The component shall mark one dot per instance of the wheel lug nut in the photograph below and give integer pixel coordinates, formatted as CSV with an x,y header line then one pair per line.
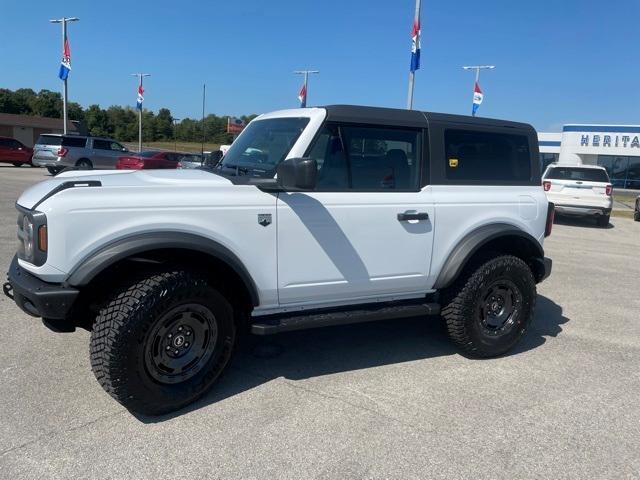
x,y
179,329
188,332
176,352
186,344
168,347
170,335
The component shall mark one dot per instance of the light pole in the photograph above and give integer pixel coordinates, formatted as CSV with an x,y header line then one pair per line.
x,y
64,21
204,94
415,54
305,88
175,133
477,68
139,105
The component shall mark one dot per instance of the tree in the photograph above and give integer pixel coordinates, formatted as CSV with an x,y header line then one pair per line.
x,y
46,104
164,124
97,121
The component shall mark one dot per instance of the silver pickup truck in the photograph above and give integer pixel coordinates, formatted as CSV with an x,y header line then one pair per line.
x,y
56,152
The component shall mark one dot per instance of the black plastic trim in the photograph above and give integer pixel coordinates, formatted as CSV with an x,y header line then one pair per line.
x,y
326,317
67,185
472,242
36,297
128,246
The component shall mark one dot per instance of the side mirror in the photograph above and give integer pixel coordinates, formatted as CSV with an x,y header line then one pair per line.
x,y
297,174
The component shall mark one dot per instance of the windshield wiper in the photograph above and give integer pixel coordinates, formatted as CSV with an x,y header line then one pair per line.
x,y
238,169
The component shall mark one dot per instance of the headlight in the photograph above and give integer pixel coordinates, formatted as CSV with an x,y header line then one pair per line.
x,y
32,236
27,237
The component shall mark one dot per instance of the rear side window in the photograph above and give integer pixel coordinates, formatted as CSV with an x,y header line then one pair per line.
x,y
74,142
577,173
486,156
54,140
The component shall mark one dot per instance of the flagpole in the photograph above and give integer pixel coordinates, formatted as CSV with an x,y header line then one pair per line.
x,y
477,68
303,102
65,94
412,73
140,77
204,92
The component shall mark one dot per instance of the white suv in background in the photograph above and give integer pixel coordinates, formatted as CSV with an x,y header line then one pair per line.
x,y
583,190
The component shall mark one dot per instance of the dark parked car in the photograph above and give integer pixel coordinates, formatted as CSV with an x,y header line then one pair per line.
x,y
148,160
636,212
15,152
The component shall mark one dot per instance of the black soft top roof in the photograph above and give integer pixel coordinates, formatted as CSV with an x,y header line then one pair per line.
x,y
413,118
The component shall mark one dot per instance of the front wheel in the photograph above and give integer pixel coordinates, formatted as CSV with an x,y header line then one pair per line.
x,y
489,308
161,343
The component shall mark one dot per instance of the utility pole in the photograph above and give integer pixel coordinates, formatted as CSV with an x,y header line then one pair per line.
x,y
139,105
415,54
175,133
64,21
204,91
477,68
305,88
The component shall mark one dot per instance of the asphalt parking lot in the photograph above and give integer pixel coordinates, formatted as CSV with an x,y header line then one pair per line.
x,y
382,400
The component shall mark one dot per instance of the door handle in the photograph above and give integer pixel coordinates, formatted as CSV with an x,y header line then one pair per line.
x,y
403,217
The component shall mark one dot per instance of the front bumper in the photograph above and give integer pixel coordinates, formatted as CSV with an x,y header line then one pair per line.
x,y
36,297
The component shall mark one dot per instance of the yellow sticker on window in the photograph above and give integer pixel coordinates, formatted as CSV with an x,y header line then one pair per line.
x,y
453,162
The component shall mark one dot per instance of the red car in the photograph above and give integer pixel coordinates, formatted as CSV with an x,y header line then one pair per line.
x,y
13,151
147,160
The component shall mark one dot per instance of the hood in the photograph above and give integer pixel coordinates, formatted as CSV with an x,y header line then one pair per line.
x,y
118,178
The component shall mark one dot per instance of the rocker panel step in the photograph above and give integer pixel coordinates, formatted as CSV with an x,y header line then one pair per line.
x,y
271,324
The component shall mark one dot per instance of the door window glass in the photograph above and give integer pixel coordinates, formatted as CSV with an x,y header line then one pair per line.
x,y
101,144
366,158
74,142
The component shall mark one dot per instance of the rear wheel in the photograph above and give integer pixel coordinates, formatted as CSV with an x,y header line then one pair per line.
x,y
603,220
17,164
490,307
84,164
161,343
54,170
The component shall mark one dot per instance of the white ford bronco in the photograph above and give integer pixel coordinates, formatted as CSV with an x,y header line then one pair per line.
x,y
315,217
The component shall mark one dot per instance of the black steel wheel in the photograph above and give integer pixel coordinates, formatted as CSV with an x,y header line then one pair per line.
x,y
162,342
490,306
181,343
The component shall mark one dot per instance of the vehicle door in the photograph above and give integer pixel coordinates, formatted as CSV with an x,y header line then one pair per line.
x,y
366,232
115,151
101,155
6,152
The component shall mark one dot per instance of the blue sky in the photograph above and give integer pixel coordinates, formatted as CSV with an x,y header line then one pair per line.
x,y
562,61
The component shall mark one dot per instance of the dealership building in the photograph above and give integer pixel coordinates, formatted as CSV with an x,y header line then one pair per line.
x,y
614,147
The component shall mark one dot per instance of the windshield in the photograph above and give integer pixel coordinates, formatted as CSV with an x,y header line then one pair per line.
x,y
581,174
262,146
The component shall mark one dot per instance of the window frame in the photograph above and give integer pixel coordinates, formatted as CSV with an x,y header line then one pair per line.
x,y
421,156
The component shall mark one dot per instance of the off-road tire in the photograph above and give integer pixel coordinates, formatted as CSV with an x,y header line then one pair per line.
x,y
119,355
603,220
462,301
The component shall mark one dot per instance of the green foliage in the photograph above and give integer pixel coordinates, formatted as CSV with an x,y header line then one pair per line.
x,y
118,122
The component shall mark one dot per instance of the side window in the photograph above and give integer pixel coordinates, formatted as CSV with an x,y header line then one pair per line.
x,y
486,156
333,172
116,146
101,144
366,158
74,142
382,158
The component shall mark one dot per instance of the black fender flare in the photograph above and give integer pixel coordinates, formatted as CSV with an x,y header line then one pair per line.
x,y
473,241
125,247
